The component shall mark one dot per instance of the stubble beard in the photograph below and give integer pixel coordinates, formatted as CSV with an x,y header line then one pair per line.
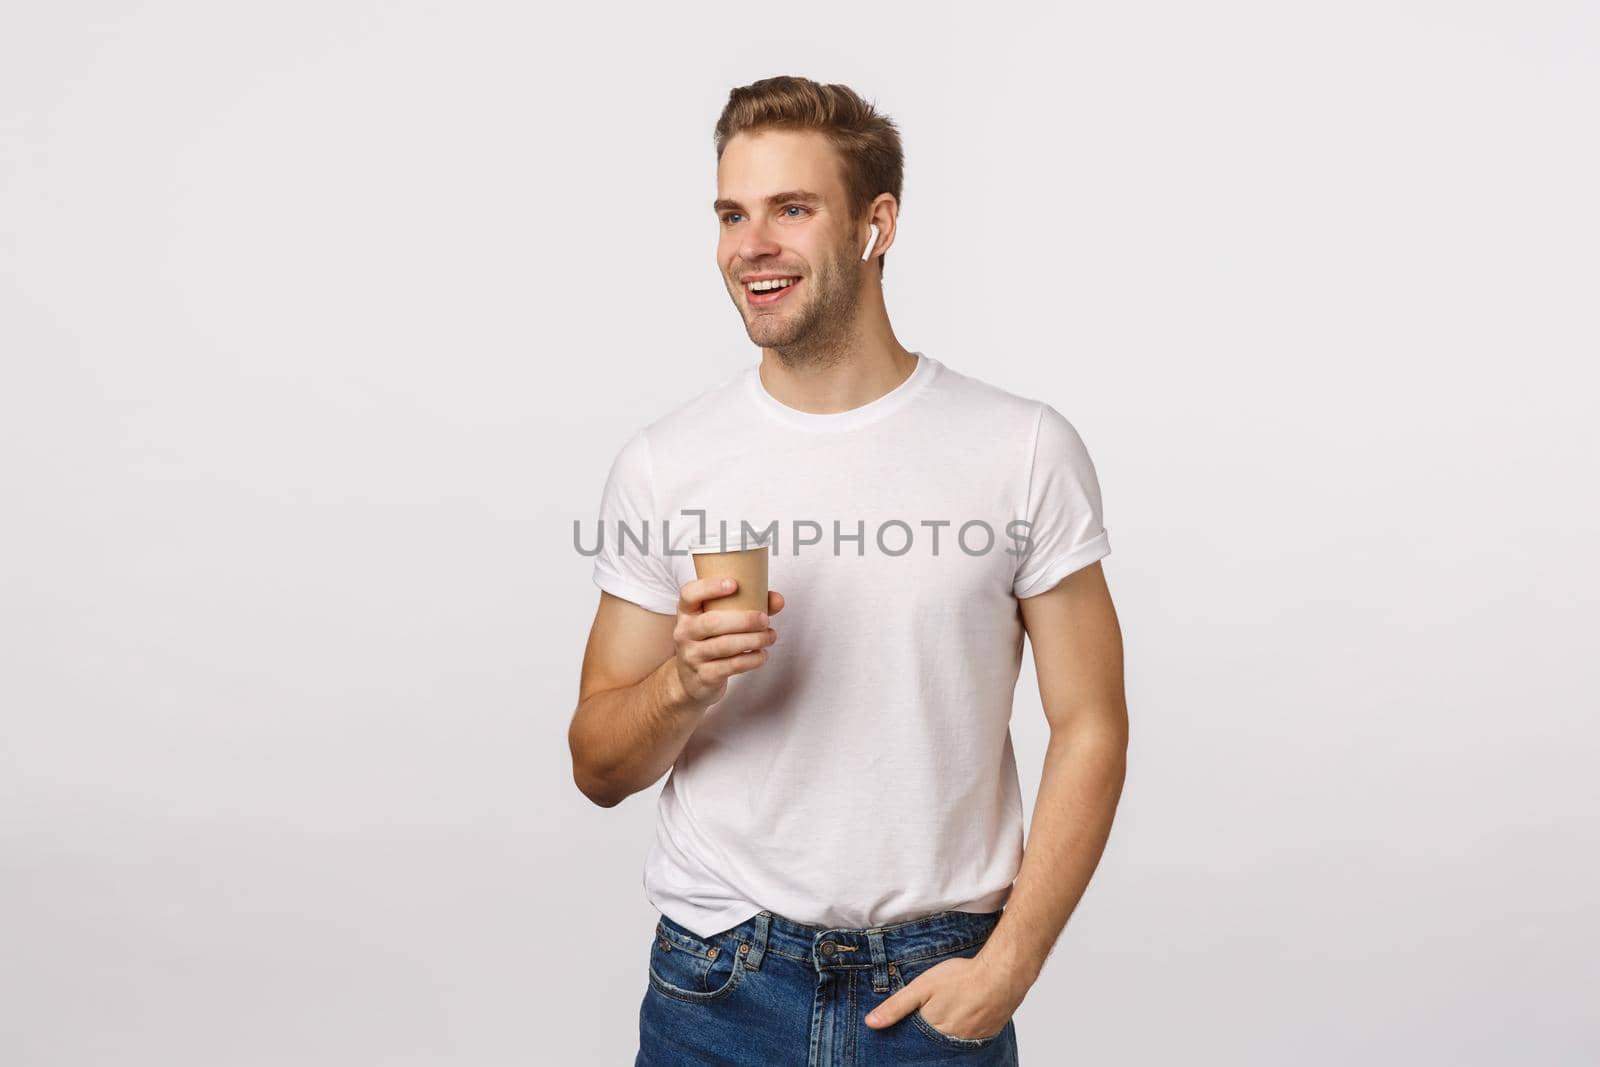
x,y
819,333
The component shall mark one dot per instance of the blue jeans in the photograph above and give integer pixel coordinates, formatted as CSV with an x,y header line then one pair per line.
x,y
774,993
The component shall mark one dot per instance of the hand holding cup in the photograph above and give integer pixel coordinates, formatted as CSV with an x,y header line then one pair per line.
x,y
714,644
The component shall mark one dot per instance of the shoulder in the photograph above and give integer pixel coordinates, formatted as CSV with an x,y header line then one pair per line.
x,y
966,395
688,420
685,420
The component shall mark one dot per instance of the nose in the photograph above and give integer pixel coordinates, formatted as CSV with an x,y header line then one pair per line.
x,y
756,240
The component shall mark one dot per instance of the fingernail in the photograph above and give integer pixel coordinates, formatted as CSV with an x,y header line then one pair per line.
x,y
874,1018
727,583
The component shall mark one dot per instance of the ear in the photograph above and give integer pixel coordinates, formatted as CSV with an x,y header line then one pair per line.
x,y
882,217
871,241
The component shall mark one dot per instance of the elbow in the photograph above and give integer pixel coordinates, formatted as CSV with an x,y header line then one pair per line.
x,y
1106,733
586,776
592,783
595,789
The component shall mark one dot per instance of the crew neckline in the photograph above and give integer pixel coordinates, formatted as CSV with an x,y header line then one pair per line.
x,y
924,372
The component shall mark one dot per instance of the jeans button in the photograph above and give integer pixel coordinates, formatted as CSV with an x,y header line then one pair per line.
x,y
828,947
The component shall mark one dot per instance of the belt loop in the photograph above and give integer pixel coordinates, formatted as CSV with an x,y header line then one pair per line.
x,y
880,961
758,942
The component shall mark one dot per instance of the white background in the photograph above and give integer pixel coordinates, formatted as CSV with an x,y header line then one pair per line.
x,y
321,324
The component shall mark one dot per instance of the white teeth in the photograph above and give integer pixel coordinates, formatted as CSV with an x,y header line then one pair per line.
x,y
777,283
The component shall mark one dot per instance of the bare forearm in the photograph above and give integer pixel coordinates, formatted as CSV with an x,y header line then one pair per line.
x,y
1078,793
624,739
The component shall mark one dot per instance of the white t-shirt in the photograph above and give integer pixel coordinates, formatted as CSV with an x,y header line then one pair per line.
x,y
864,774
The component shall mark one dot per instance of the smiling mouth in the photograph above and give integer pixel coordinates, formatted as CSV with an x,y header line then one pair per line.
x,y
765,296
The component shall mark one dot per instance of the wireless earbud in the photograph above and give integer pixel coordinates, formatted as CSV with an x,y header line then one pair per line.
x,y
870,241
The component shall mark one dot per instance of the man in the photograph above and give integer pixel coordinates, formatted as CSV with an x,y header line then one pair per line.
x,y
838,862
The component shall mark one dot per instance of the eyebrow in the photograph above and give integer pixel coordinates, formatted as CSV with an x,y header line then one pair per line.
x,y
803,196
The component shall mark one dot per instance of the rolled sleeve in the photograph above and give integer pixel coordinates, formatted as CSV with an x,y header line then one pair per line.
x,y
1065,532
621,567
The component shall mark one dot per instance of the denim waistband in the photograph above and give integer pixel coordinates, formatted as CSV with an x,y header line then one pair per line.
x,y
847,948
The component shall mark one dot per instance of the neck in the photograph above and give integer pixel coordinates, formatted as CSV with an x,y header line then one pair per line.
x,y
833,374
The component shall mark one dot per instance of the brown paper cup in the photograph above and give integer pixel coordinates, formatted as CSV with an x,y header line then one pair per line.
x,y
749,566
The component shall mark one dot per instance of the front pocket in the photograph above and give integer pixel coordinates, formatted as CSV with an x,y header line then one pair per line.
x,y
901,974
694,969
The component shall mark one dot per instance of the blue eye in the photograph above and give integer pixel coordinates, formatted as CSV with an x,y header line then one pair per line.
x,y
728,218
